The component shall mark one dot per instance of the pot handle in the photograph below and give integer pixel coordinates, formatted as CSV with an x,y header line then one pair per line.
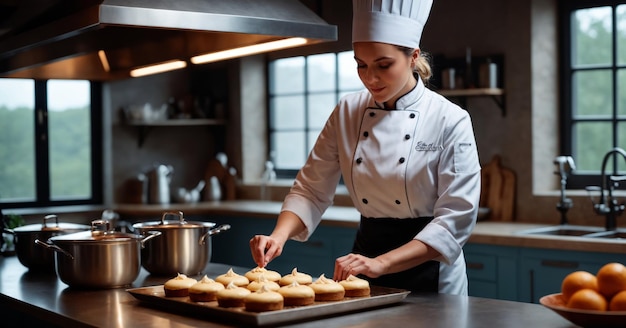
x,y
212,232
7,230
48,218
151,234
54,248
179,214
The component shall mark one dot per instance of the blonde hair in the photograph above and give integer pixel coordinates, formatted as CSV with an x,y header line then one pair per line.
x,y
422,67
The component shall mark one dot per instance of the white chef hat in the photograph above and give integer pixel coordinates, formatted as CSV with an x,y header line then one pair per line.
x,y
398,22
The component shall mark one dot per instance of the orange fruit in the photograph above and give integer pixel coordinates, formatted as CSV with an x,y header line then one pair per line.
x,y
611,279
576,281
587,299
618,302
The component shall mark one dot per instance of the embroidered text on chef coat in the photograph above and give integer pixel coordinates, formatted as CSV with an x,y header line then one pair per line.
x,y
423,146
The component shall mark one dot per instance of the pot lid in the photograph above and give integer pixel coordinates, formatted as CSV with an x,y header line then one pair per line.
x,y
51,226
179,223
100,232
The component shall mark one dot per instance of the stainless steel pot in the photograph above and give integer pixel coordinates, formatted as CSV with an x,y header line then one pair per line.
x,y
32,256
100,258
184,246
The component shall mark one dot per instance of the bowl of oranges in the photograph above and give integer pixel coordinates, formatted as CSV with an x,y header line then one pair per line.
x,y
592,300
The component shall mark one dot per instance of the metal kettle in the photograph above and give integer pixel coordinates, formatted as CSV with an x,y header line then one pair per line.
x,y
159,179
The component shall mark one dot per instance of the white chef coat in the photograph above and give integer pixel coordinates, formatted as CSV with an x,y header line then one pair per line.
x,y
417,160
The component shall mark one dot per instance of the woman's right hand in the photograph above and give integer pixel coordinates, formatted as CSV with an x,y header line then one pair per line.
x,y
264,249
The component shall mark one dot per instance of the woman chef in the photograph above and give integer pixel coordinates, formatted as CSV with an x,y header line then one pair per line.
x,y
408,158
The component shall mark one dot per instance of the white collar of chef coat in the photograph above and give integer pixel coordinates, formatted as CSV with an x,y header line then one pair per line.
x,y
409,99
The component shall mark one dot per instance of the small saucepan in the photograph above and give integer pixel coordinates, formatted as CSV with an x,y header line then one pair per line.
x,y
100,258
184,246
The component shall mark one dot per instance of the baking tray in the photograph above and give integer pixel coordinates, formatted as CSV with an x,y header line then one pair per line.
x,y
379,296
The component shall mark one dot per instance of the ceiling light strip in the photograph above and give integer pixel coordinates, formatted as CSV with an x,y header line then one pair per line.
x,y
248,50
104,61
158,68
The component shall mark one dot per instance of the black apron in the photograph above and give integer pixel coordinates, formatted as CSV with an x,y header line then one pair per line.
x,y
377,236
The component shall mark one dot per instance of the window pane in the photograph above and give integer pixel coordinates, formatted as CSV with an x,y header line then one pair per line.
x,y
287,112
320,107
321,72
592,37
17,140
69,139
621,91
289,150
287,76
348,75
621,136
592,93
621,34
591,142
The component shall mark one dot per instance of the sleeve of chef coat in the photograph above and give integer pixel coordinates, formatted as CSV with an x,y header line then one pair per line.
x,y
458,186
315,185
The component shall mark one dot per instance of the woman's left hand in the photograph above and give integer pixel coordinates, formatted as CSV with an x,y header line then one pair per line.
x,y
354,264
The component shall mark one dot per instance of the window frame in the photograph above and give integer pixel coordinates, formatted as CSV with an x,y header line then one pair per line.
x,y
291,173
567,123
42,170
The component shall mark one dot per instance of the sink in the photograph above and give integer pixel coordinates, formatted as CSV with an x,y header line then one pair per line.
x,y
614,234
575,231
564,230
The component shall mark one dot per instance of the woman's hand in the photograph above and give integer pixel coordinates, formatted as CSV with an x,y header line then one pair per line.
x,y
264,249
354,264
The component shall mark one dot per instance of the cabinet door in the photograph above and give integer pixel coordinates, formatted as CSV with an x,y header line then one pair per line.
x,y
543,270
232,247
315,256
491,271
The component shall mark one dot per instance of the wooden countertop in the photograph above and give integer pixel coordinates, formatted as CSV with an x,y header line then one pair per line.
x,y
485,232
42,300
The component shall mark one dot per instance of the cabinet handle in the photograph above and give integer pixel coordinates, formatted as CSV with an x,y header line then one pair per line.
x,y
475,265
559,264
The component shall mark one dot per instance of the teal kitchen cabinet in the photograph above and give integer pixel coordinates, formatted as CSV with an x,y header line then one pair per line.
x,y
543,270
315,256
492,271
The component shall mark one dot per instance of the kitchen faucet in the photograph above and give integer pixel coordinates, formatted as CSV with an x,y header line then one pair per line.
x,y
608,205
566,166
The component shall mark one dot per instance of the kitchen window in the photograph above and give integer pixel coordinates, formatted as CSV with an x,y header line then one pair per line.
x,y
50,138
303,91
593,93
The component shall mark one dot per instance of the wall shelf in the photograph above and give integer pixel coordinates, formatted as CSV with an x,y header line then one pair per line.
x,y
145,126
496,94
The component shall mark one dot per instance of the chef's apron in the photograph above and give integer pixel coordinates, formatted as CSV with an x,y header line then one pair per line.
x,y
377,236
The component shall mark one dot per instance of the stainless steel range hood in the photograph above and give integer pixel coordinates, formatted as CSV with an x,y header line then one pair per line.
x,y
135,33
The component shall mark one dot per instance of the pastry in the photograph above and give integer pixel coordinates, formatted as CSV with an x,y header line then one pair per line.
x,y
263,300
297,295
204,290
254,274
327,289
262,281
231,276
231,296
178,286
299,277
355,287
